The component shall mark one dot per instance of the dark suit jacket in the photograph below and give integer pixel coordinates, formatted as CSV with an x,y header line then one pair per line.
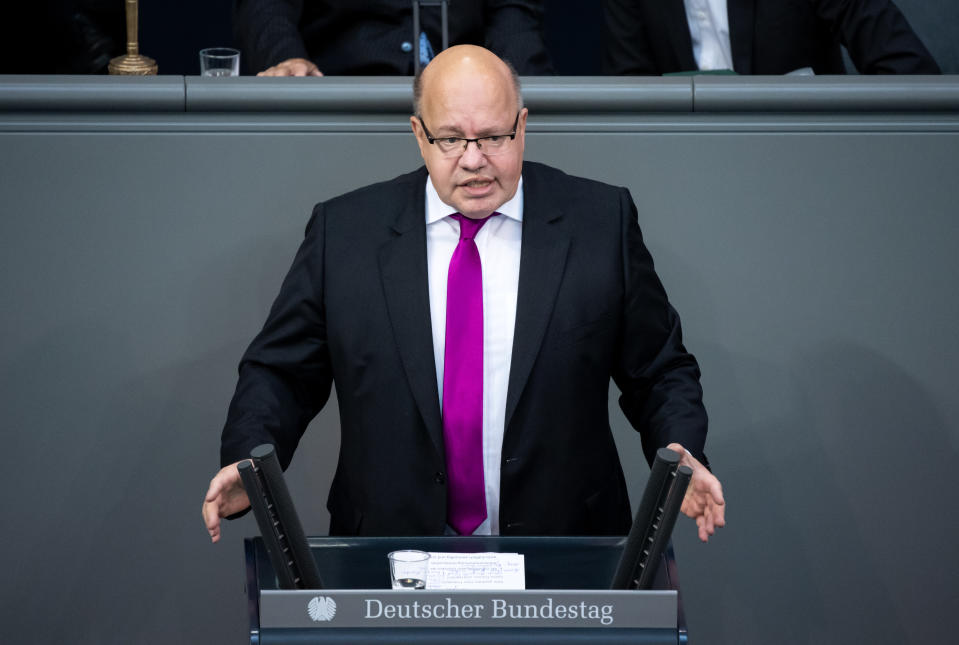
x,y
366,37
768,37
354,310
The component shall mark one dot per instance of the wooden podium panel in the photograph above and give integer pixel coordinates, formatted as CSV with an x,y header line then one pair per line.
x,y
567,599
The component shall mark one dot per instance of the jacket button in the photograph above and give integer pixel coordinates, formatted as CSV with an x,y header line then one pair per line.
x,y
439,478
406,47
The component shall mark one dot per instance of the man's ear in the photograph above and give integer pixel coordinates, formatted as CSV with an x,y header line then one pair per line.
x,y
521,124
415,126
420,135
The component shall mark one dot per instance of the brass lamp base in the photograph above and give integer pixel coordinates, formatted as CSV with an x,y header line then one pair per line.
x,y
133,65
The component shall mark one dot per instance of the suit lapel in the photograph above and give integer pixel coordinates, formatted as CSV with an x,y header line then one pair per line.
x,y
542,262
741,15
403,270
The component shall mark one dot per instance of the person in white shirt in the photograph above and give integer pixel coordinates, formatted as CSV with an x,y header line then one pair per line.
x,y
653,37
568,300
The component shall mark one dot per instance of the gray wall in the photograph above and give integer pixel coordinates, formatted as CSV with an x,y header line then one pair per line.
x,y
805,230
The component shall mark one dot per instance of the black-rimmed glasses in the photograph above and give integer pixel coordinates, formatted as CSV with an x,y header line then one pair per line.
x,y
489,145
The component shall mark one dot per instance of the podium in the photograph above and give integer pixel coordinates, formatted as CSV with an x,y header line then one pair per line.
x,y
567,597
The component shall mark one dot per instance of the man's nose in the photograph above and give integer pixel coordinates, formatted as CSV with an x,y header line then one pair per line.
x,y
472,156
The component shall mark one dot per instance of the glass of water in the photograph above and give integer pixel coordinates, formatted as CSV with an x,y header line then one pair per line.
x,y
408,569
219,61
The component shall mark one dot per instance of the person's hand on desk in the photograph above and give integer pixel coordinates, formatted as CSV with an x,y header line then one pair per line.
x,y
226,496
704,497
293,67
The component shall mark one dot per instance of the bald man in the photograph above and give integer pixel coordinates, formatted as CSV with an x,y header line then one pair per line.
x,y
472,314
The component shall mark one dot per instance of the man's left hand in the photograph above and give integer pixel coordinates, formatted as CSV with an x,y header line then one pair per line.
x,y
704,498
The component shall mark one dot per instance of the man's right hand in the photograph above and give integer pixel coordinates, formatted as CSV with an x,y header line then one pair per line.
x,y
225,497
293,67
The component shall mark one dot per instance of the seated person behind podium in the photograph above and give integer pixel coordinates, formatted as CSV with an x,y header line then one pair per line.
x,y
472,378
316,37
760,37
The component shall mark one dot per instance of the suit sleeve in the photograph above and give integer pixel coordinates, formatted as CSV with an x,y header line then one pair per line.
x,y
268,32
285,375
627,49
877,36
658,379
514,31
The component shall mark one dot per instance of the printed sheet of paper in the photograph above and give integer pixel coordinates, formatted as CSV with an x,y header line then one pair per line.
x,y
476,571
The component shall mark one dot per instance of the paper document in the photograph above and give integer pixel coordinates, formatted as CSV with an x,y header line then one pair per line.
x,y
476,571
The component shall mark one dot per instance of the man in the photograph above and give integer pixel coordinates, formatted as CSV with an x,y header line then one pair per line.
x,y
655,37
468,403
316,37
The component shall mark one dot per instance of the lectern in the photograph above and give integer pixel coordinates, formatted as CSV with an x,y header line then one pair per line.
x,y
597,590
567,599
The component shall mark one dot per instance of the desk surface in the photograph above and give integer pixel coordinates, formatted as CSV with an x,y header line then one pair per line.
x,y
543,95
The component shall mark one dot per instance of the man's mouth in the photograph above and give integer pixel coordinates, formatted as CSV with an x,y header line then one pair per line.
x,y
476,185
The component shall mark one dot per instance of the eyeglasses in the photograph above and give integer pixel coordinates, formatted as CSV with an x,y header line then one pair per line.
x,y
493,144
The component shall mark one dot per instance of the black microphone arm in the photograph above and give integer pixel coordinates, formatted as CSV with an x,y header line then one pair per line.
x,y
279,524
653,523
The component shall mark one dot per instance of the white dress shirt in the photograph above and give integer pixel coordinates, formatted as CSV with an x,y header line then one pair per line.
x,y
498,243
709,30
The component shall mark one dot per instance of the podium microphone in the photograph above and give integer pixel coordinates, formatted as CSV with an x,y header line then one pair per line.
x,y
279,524
653,524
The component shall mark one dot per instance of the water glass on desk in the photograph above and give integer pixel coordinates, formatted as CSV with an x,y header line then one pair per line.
x,y
408,569
219,61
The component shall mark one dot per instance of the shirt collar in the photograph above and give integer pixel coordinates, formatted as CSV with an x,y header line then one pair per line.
x,y
436,209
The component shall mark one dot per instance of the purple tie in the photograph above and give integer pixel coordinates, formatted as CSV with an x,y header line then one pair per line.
x,y
463,382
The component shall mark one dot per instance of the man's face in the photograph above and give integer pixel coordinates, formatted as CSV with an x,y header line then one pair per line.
x,y
474,183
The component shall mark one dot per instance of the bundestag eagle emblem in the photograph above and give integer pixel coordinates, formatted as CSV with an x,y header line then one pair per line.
x,y
322,608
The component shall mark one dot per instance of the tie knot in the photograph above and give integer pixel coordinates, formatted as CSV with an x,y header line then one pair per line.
x,y
469,227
